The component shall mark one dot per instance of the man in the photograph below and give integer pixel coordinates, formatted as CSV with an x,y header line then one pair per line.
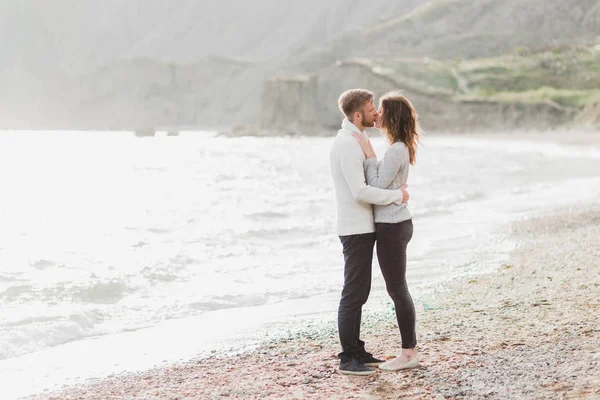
x,y
355,225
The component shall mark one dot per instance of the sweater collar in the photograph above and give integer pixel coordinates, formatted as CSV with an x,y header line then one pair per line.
x,y
349,126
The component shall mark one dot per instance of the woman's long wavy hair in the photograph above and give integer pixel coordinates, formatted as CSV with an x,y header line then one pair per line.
x,y
400,123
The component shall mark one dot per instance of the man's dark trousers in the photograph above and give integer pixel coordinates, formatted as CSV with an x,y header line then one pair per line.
x,y
358,257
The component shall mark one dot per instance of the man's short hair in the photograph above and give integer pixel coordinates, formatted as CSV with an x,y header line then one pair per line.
x,y
354,100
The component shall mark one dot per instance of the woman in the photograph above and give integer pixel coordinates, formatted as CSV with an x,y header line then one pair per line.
x,y
398,121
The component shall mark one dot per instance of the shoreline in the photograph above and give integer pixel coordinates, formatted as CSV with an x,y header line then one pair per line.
x,y
574,134
568,135
318,338
477,337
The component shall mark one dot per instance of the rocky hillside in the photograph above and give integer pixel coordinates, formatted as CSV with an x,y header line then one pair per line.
x,y
463,29
119,64
485,65
84,64
538,90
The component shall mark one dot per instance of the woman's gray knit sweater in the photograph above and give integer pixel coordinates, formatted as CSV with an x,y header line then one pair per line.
x,y
389,173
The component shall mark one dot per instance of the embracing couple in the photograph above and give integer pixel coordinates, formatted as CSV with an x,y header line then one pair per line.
x,y
371,200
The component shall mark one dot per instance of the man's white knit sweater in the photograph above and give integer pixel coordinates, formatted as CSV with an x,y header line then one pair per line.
x,y
353,197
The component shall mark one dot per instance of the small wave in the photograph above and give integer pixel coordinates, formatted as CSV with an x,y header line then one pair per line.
x,y
31,320
444,206
37,333
461,197
280,232
158,276
231,301
95,293
253,300
6,278
267,215
241,300
15,292
430,212
101,292
226,178
157,230
209,306
153,169
41,264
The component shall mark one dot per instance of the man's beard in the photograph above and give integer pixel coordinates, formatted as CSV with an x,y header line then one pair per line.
x,y
367,124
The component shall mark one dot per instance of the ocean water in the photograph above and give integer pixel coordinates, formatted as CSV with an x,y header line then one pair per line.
x,y
118,252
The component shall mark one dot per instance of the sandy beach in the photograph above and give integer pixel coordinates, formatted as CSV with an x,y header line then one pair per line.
x,y
527,331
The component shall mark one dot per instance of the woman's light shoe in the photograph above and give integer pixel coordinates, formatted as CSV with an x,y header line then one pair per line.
x,y
391,366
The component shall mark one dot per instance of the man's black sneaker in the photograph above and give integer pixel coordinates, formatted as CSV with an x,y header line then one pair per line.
x,y
353,366
368,359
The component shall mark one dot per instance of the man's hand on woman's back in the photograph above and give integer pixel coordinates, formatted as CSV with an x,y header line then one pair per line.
x,y
405,195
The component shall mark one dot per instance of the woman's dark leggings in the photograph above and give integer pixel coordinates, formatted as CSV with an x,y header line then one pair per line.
x,y
392,240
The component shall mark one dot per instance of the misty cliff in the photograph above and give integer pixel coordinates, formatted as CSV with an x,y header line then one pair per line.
x,y
466,65
308,104
84,63
281,65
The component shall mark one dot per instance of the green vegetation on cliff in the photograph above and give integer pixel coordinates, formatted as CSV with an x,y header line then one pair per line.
x,y
567,77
